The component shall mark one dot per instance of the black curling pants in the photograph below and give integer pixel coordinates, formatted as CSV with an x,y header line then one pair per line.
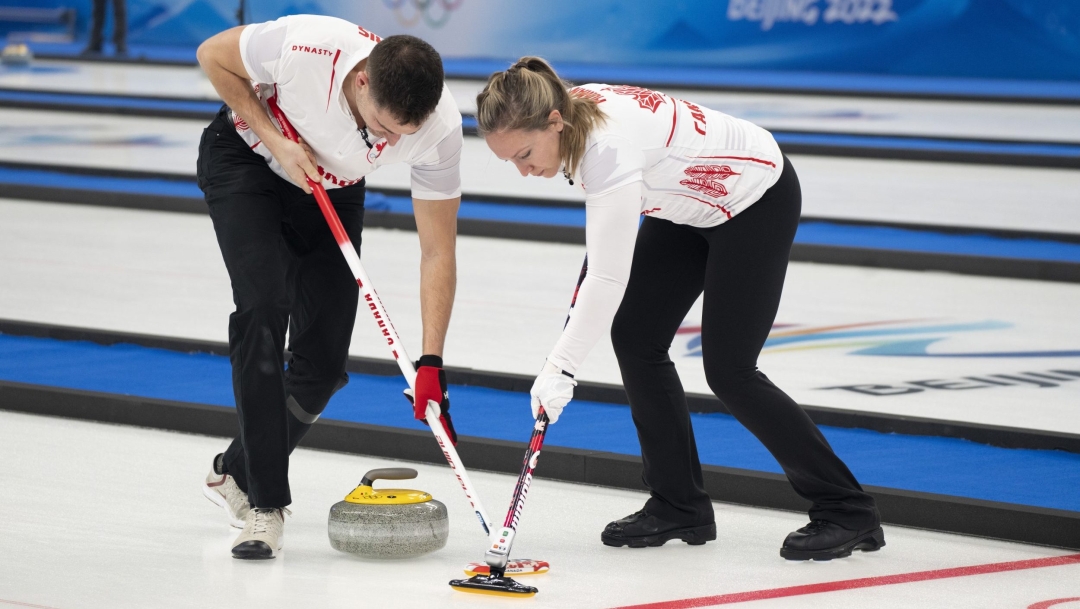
x,y
740,266
97,25
287,273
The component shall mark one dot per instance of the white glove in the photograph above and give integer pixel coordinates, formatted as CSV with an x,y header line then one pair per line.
x,y
553,390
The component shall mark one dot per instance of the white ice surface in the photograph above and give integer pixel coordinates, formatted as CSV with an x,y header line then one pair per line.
x,y
819,113
161,273
948,194
129,79
132,143
102,516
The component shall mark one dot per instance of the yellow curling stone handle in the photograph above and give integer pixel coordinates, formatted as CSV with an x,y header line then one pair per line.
x,y
366,495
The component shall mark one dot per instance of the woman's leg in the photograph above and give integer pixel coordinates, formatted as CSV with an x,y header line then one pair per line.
x,y
748,259
665,280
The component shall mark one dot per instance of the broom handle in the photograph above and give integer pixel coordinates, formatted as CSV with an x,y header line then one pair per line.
x,y
502,540
375,305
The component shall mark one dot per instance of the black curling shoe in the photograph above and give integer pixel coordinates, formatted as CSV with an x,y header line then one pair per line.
x,y
641,529
824,540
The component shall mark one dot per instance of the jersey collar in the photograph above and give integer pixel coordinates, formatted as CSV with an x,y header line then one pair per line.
x,y
342,69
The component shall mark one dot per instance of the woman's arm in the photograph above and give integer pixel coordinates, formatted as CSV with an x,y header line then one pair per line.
x,y
611,225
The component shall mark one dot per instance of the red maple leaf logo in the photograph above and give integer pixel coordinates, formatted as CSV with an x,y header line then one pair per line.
x,y
648,100
706,179
376,151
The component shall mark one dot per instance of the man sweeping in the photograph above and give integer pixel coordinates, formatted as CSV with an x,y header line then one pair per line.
x,y
358,102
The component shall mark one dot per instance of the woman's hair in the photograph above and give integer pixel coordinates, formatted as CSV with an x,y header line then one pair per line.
x,y
523,98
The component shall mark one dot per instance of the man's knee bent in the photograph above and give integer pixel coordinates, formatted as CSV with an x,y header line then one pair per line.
x,y
310,395
317,373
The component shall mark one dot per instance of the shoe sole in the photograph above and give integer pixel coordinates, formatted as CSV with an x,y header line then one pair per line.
x,y
868,542
217,499
694,536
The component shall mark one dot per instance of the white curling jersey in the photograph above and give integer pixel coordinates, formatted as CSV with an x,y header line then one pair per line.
x,y
697,166
303,60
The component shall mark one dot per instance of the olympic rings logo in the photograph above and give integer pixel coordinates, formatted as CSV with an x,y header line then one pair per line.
x,y
434,13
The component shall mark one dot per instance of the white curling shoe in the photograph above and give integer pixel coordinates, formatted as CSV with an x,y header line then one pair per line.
x,y
222,490
263,535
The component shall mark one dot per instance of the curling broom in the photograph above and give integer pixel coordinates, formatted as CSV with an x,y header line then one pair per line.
x,y
496,580
374,303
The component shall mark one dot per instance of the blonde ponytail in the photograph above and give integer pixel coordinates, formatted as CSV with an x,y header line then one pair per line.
x,y
523,97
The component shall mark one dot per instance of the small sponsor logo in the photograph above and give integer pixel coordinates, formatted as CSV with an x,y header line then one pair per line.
x,y
335,180
1043,380
699,116
313,50
520,504
370,36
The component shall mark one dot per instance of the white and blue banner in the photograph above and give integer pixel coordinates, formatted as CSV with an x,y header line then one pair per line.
x,y
1000,39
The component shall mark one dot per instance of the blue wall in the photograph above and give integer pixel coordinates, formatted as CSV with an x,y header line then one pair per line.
x,y
1010,39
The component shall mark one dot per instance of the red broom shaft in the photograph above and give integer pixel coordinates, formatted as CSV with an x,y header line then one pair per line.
x,y
317,189
387,328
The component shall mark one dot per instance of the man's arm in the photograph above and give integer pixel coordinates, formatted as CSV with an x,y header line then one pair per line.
x,y
436,224
220,58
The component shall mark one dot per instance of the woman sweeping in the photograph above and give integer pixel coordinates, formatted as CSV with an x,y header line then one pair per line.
x,y
721,206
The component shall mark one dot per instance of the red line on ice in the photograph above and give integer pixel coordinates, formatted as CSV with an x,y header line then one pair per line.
x,y
1057,601
864,582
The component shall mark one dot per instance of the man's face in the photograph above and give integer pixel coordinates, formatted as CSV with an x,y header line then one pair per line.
x,y
380,122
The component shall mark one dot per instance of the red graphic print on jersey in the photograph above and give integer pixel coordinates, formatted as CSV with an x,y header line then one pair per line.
x,y
333,71
333,179
587,94
369,35
648,100
720,207
706,179
239,123
699,116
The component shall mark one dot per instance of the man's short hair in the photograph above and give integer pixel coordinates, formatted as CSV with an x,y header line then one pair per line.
x,y
406,76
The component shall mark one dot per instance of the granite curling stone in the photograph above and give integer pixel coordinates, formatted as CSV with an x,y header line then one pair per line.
x,y
388,523
16,55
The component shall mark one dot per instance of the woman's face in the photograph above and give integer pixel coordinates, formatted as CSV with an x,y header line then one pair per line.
x,y
533,152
